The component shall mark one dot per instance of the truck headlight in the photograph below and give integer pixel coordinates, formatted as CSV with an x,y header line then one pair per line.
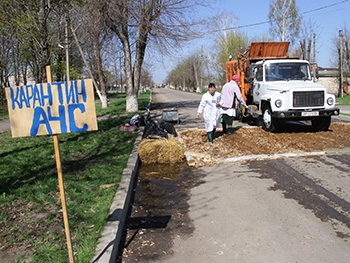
x,y
278,103
330,101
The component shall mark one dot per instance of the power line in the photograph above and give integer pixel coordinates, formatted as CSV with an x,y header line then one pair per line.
x,y
324,7
268,21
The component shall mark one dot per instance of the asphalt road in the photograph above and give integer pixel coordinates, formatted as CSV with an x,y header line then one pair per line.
x,y
294,209
284,210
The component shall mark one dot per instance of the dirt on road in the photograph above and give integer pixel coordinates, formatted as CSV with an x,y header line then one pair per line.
x,y
252,140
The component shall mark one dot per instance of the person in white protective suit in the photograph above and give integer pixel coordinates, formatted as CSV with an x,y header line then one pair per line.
x,y
209,106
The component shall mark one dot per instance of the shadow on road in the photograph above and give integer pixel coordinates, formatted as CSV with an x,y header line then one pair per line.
x,y
159,211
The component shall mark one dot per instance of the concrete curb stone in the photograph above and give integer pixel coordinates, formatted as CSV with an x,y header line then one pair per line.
x,y
112,235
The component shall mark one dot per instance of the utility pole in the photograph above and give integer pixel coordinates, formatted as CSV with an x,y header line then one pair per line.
x,y
314,58
201,68
341,62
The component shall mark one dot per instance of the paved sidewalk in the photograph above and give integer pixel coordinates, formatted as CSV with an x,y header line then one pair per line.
x,y
344,113
344,109
4,125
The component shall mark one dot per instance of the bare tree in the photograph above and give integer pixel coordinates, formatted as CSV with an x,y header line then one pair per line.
x,y
184,74
95,39
345,50
146,77
229,48
26,26
222,29
136,23
34,28
284,19
309,30
161,24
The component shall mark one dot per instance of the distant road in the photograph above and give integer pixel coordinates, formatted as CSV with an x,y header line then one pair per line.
x,y
185,102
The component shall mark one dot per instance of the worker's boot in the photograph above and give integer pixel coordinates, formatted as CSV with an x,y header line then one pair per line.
x,y
210,136
224,127
222,121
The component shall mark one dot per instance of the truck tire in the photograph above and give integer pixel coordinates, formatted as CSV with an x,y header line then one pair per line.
x,y
270,124
321,124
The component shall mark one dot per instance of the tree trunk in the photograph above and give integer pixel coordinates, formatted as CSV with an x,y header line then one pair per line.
x,y
44,56
131,103
198,87
100,74
104,101
131,95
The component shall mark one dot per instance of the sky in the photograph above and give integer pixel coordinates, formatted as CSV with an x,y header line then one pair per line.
x,y
329,16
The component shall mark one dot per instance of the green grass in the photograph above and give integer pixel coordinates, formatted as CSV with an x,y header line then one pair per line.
x,y
31,217
343,101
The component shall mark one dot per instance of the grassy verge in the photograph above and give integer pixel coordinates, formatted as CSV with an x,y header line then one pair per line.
x,y
343,101
31,218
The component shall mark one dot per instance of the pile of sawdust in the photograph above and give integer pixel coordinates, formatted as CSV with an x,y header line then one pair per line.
x,y
255,141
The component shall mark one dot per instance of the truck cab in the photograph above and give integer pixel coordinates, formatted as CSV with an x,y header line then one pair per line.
x,y
283,89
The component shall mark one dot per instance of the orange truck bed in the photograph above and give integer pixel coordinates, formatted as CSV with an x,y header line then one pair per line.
x,y
260,50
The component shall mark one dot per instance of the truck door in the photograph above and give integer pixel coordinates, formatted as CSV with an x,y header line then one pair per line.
x,y
258,78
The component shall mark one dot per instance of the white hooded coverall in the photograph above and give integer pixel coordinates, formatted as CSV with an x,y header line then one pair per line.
x,y
211,113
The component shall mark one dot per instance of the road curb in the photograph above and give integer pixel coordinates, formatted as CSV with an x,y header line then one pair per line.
x,y
108,245
112,235
267,156
342,117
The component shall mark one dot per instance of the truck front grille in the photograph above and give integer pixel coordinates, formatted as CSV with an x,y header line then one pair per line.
x,y
308,98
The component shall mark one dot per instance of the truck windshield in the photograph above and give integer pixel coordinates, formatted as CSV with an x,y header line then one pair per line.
x,y
287,71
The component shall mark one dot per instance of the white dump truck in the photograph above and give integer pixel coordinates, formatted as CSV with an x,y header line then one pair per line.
x,y
281,88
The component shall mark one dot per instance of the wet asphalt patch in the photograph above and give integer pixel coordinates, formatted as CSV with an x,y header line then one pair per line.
x,y
159,211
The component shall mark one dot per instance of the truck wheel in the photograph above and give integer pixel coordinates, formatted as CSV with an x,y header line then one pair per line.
x,y
321,124
270,124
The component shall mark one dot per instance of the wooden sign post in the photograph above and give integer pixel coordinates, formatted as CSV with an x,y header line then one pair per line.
x,y
61,185
63,198
53,108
